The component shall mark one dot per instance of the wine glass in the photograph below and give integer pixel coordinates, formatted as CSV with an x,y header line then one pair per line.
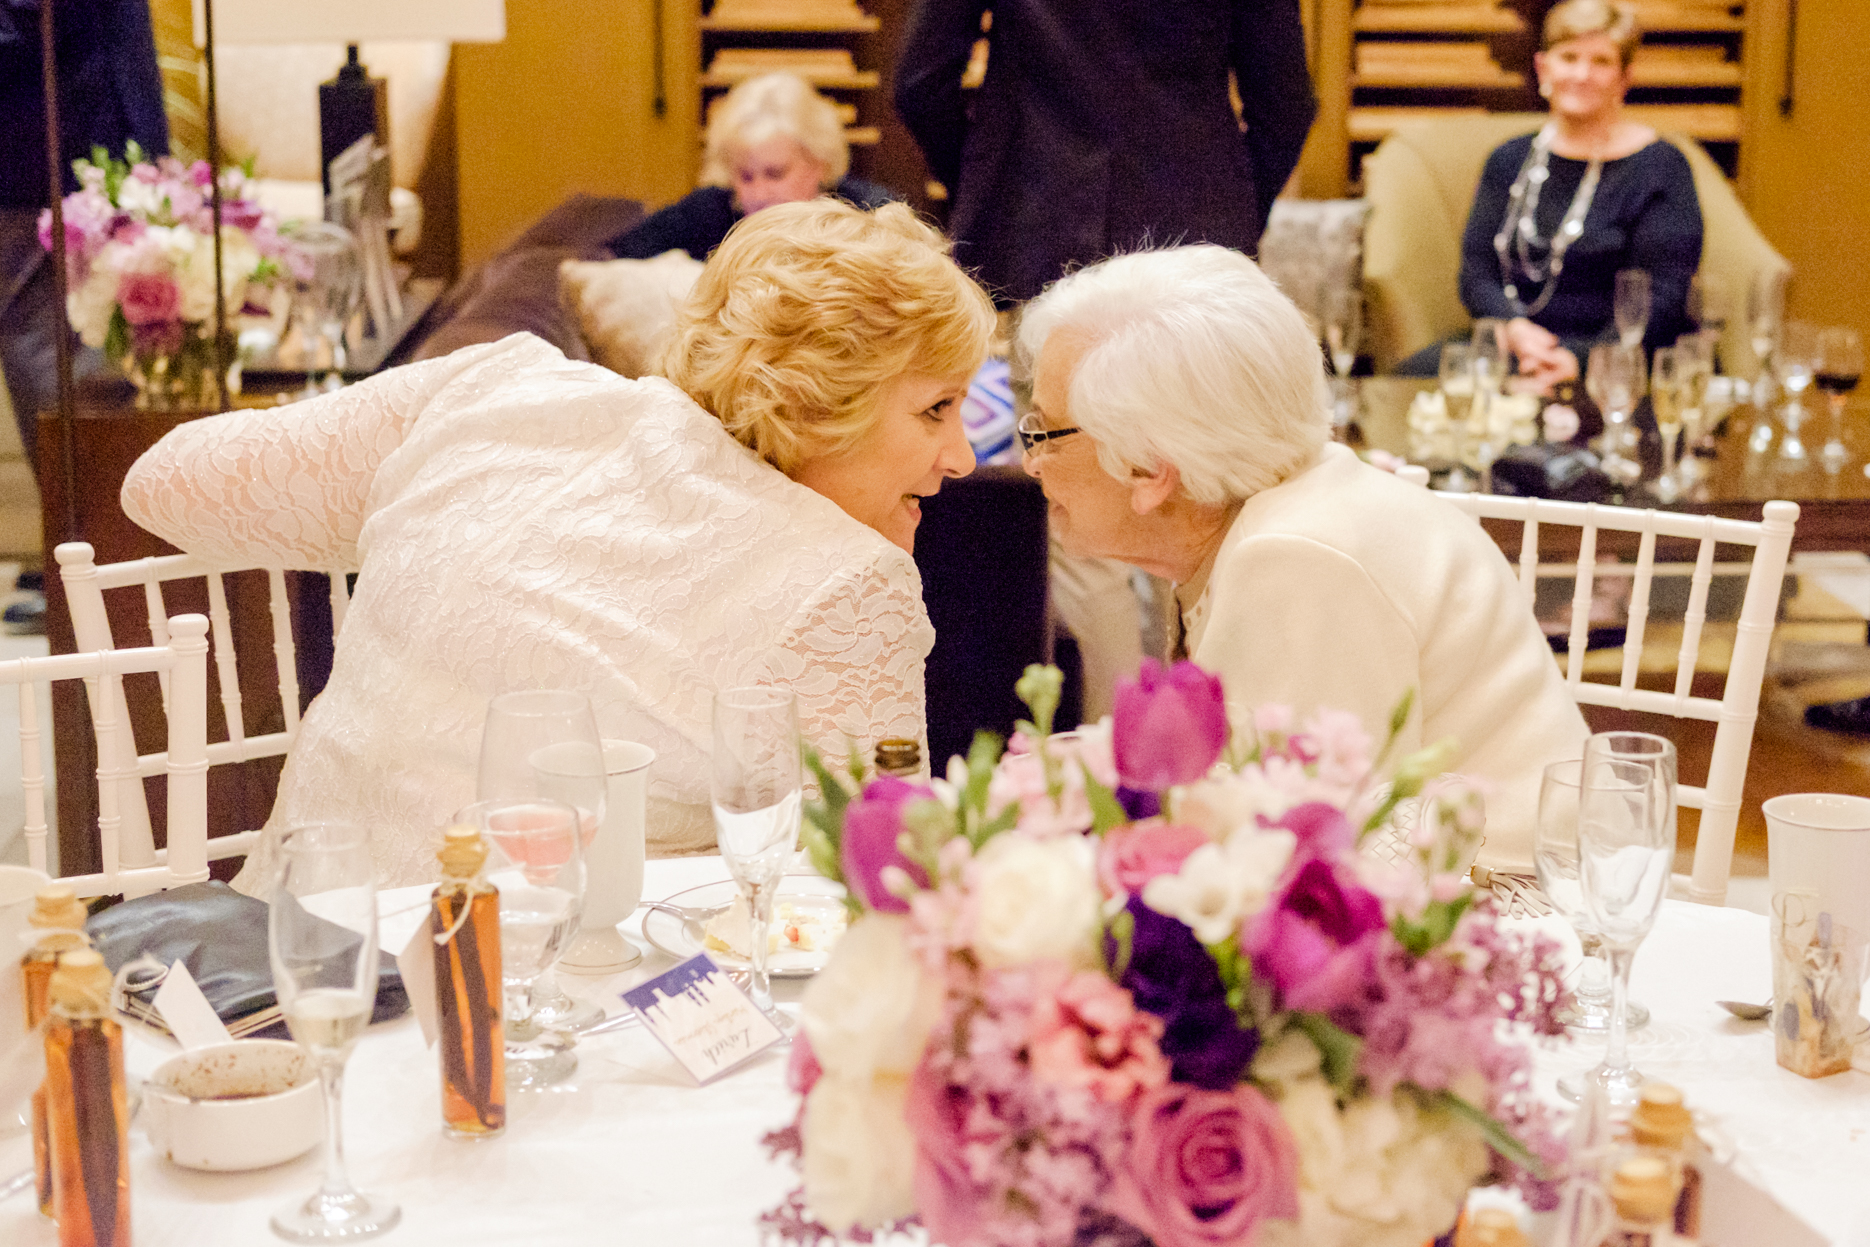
x,y
1555,858
328,286
1840,363
1766,311
1795,360
1626,844
322,936
1631,306
536,860
1614,379
756,794
544,743
1668,370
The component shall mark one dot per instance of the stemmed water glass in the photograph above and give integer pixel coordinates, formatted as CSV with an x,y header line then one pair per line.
x,y
1794,362
1555,858
756,795
1344,325
322,937
1709,306
1631,306
536,860
1626,844
1766,311
1840,363
1614,379
543,743
325,296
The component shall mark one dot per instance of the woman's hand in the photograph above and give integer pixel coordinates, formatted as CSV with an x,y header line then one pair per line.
x,y
1543,363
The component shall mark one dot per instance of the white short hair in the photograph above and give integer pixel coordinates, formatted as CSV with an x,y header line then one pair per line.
x,y
1194,359
779,103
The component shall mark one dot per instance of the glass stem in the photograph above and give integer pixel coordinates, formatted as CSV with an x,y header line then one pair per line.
x,y
759,927
1593,975
331,1077
1837,418
1617,1053
1668,451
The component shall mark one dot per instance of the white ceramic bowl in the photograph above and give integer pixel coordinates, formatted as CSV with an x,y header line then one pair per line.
x,y
241,1105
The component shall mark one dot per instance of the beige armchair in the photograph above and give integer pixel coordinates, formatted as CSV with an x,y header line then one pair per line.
x,y
1420,184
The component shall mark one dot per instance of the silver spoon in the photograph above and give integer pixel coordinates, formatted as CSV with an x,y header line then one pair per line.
x,y
686,913
1747,1012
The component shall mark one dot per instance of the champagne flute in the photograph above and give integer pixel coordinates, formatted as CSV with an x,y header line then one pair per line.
x,y
1766,311
1794,362
756,794
543,743
1555,858
1631,306
1614,379
1840,363
1667,372
322,937
1709,307
536,860
1344,322
1626,843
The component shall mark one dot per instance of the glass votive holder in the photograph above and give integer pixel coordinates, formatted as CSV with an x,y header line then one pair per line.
x,y
1818,975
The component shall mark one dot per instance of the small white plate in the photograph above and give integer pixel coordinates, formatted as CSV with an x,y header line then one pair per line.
x,y
682,940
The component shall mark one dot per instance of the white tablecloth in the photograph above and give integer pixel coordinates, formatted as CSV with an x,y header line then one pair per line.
x,y
631,1151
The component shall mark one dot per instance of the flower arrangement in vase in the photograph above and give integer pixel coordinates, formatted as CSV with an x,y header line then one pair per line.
x,y
1128,985
139,251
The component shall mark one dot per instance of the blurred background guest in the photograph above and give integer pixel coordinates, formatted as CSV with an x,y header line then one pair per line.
x,y
771,140
1179,423
519,520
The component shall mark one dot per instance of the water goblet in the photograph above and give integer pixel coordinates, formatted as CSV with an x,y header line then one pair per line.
x,y
1766,311
756,794
1630,306
1626,843
536,860
322,939
325,297
1840,363
1555,858
544,743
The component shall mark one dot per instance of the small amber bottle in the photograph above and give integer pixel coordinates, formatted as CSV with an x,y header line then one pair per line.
x,y
899,756
58,919
1490,1227
1663,1124
87,1115
1643,1190
465,918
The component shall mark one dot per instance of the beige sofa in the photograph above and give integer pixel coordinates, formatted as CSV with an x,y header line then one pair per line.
x,y
1420,184
20,537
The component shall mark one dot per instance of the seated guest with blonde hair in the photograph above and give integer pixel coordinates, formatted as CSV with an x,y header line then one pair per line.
x,y
518,520
1179,424
771,140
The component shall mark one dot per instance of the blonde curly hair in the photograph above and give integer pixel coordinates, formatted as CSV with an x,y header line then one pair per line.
x,y
779,103
1573,19
807,311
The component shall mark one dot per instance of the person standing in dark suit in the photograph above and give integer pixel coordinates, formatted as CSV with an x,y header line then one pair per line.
x,y
1103,125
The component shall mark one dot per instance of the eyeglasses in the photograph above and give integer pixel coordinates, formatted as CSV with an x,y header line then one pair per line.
x,y
1032,434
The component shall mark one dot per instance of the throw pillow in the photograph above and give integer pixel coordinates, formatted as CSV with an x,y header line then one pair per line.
x,y
624,307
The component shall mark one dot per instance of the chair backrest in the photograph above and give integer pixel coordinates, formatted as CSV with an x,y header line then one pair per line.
x,y
181,662
1734,712
85,584
1420,183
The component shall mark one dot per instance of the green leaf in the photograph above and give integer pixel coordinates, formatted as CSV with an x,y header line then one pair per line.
x,y
117,337
981,757
1337,1050
1499,1138
1106,810
1005,820
1040,688
1123,930
823,826
1237,976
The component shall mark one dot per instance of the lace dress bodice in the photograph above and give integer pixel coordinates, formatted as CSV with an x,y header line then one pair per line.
x,y
519,520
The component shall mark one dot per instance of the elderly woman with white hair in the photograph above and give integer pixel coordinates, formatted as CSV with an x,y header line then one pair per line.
x,y
1178,423
771,140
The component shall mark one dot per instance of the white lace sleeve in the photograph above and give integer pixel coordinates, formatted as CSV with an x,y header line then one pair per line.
x,y
855,658
282,484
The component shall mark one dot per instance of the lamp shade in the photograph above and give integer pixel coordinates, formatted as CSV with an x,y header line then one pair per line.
x,y
238,22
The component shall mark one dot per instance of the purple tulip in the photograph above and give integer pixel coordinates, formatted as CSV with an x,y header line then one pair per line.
x,y
872,825
1169,727
1315,939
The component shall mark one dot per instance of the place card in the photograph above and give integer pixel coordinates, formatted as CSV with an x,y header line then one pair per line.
x,y
710,1026
417,963
186,1012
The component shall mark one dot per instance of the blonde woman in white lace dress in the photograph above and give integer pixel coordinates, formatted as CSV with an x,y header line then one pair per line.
x,y
518,520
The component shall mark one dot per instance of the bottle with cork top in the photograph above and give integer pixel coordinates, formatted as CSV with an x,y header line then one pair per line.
x,y
899,756
1643,1189
465,922
57,920
1662,1124
87,1113
1490,1227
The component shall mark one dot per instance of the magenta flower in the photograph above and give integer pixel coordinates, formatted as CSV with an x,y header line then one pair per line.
x,y
149,298
1316,937
1170,725
1132,855
1204,1168
802,1068
1322,829
872,825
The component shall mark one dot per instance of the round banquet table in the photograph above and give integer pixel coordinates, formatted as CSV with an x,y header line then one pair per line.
x,y
631,1150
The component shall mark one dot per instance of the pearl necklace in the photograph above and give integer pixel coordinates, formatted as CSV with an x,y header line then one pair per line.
x,y
1518,238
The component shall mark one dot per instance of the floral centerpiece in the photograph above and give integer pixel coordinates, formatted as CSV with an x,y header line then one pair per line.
x,y
139,251
1129,984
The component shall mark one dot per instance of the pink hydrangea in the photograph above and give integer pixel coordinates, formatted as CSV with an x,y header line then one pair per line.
x,y
1087,1032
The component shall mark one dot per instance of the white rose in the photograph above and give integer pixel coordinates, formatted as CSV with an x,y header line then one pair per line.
x,y
871,1008
194,276
1219,885
89,306
859,1156
1036,900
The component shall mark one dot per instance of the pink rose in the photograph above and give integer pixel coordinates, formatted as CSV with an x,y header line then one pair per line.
x,y
1133,855
1204,1168
1088,1033
149,298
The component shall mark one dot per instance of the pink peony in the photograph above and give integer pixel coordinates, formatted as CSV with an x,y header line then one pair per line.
x,y
1087,1032
149,298
1204,1168
873,824
1134,854
1168,725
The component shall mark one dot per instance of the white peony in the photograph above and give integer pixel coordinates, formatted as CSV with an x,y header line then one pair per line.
x,y
859,1161
870,1010
90,304
1035,900
1220,885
